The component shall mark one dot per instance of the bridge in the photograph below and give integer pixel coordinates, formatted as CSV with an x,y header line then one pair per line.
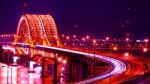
x,y
38,49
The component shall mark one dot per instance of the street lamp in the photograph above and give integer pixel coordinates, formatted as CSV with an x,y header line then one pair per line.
x,y
64,61
127,39
94,44
87,37
144,51
107,38
67,37
115,48
146,40
59,59
74,36
109,48
126,54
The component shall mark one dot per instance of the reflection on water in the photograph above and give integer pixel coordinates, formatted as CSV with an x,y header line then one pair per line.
x,y
19,75
23,75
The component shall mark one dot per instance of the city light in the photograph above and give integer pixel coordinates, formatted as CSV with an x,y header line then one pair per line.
x,y
87,37
62,68
126,54
64,61
127,39
83,39
59,59
115,48
145,49
79,57
146,40
67,37
63,35
94,41
74,36
107,38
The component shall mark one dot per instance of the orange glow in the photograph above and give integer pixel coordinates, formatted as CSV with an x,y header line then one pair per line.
x,y
59,59
126,54
64,61
45,34
145,49
115,48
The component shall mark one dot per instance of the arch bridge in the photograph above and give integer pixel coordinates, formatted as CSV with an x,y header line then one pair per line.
x,y
37,29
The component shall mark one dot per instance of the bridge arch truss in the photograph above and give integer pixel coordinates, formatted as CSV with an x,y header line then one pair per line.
x,y
36,29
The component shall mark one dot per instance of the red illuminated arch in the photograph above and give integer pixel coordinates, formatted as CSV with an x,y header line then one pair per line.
x,y
37,30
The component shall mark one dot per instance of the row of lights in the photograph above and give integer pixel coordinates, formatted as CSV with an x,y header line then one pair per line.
x,y
62,70
107,38
7,35
144,51
60,59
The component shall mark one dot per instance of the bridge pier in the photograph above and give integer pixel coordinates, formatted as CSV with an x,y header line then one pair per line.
x,y
44,68
7,57
55,68
77,69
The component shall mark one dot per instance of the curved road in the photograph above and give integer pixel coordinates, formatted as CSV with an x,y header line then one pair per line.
x,y
125,69
118,66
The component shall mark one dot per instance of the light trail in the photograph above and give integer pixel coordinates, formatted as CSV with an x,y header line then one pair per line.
x,y
118,66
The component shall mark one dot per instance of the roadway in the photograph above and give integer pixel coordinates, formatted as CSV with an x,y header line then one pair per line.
x,y
118,66
136,68
124,68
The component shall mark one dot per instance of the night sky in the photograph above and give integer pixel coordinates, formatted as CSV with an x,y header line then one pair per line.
x,y
97,18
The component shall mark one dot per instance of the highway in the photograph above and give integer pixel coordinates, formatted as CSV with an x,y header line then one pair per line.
x,y
136,68
118,66
124,68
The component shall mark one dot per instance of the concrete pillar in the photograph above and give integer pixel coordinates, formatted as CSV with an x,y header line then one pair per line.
x,y
44,68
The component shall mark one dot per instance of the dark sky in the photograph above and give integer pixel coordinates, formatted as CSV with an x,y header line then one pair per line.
x,y
94,17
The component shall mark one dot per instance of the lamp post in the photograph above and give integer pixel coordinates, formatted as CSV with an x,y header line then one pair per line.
x,y
109,48
126,54
94,45
144,51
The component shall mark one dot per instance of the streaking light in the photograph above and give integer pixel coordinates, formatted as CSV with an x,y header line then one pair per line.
x,y
118,66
